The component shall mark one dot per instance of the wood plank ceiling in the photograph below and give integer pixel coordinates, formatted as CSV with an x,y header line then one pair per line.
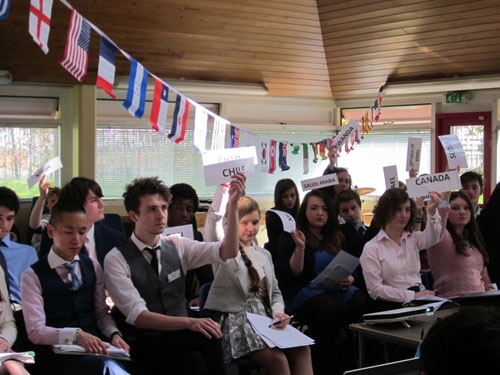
x,y
297,48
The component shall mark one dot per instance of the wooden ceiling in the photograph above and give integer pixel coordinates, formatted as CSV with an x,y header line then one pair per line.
x,y
297,48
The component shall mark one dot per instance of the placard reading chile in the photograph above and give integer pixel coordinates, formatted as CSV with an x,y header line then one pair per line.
x,y
221,173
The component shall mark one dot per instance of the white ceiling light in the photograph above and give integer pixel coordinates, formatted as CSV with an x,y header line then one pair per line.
x,y
5,77
206,87
442,85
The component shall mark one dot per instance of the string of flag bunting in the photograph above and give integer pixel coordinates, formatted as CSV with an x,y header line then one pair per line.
x,y
75,61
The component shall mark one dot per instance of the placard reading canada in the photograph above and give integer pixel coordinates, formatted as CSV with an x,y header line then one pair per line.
x,y
413,154
422,185
219,156
455,153
221,173
319,182
51,166
391,176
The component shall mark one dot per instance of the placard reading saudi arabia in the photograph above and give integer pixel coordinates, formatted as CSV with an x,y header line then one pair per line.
x,y
51,166
319,182
220,173
445,181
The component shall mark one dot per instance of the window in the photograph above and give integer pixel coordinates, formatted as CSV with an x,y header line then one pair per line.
x,y
123,154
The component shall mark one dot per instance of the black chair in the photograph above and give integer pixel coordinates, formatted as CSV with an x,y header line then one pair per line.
x,y
245,364
114,221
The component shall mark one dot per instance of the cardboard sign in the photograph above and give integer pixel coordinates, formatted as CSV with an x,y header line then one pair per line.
x,y
344,134
413,154
51,166
391,176
455,153
319,182
287,220
221,173
421,185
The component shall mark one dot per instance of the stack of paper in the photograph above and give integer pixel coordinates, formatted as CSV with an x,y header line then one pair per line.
x,y
288,337
113,351
26,357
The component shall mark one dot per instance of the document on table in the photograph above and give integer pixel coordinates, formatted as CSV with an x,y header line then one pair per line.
x,y
283,338
339,268
25,357
113,351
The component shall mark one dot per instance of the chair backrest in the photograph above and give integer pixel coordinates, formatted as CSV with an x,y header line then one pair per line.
x,y
113,220
203,294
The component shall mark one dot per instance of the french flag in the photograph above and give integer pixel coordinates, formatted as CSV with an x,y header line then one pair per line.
x,y
158,117
106,69
180,119
137,86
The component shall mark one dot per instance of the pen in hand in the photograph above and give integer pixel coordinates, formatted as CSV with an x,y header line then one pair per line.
x,y
280,321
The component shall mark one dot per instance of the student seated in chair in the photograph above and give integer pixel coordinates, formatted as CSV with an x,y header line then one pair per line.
x,y
100,238
145,277
64,299
247,284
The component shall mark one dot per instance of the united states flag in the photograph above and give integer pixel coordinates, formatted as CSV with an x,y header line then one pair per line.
x,y
76,56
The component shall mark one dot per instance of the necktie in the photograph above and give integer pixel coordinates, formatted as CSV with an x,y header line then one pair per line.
x,y
361,230
76,282
154,258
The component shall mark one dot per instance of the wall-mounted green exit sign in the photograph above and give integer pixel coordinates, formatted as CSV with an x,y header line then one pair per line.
x,y
457,97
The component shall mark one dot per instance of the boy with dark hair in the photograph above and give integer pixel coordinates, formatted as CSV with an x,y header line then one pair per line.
x,y
145,277
18,257
472,186
65,301
100,238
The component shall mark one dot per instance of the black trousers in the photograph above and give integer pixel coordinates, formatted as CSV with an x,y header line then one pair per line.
x,y
178,352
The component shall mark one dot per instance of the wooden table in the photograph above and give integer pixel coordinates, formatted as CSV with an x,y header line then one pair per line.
x,y
396,333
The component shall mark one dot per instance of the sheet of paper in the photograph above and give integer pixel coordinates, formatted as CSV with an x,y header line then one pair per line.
x,y
413,153
391,176
340,267
113,351
50,167
288,337
421,185
25,357
455,153
181,230
221,173
318,182
287,220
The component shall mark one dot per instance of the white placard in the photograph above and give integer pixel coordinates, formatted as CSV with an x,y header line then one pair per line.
x,y
455,153
319,182
344,134
51,166
413,154
219,156
181,230
421,185
391,176
287,220
221,173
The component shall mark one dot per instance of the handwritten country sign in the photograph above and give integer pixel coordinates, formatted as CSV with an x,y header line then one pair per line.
x,y
455,153
221,173
391,176
413,154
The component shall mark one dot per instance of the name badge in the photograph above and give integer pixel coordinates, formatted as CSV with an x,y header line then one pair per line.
x,y
174,275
